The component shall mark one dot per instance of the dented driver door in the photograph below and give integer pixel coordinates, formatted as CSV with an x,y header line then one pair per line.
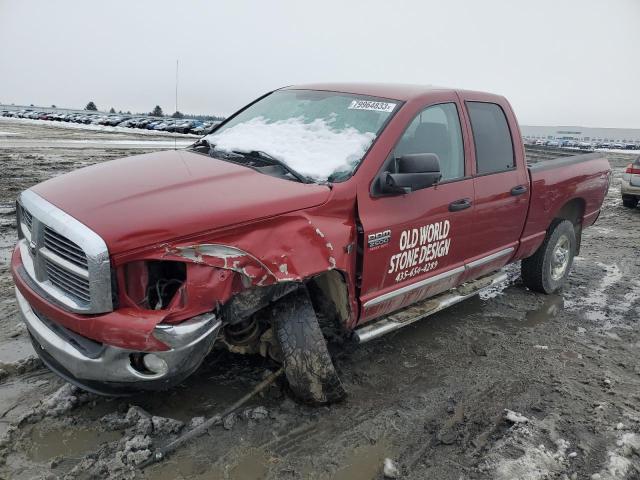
x,y
415,245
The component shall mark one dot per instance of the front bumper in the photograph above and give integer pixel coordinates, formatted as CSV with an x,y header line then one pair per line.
x,y
109,370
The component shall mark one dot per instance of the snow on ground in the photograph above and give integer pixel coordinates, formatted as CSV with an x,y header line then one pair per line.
x,y
598,301
616,150
535,461
515,417
314,149
620,458
513,273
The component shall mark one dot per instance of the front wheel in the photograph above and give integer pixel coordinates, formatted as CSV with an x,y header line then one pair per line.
x,y
547,270
307,364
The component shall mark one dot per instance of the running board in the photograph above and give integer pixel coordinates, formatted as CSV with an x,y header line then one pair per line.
x,y
427,307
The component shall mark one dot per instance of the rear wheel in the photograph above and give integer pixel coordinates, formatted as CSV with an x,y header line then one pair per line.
x,y
308,367
630,202
547,269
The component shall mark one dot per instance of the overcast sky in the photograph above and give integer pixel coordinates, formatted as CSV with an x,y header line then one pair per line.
x,y
571,62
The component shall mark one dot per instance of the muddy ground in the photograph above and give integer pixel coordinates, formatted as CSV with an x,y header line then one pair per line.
x,y
512,384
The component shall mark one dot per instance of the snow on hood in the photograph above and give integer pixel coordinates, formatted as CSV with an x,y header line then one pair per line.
x,y
314,149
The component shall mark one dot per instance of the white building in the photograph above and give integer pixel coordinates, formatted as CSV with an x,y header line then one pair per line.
x,y
582,134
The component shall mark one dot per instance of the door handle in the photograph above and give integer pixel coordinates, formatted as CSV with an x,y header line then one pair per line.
x,y
461,204
519,190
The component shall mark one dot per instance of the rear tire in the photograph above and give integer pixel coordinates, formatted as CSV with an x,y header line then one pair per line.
x,y
630,202
307,364
547,270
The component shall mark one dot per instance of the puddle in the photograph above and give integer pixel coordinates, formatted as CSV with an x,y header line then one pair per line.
x,y
365,463
74,442
250,467
181,466
549,309
253,465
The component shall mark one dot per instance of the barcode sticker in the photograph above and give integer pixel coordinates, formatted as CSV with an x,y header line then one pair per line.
x,y
372,106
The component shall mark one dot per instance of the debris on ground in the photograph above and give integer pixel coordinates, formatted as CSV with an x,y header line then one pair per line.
x,y
390,469
515,417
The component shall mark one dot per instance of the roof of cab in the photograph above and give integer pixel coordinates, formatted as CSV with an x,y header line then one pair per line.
x,y
395,91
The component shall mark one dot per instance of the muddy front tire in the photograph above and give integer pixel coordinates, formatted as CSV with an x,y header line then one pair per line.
x,y
547,269
308,367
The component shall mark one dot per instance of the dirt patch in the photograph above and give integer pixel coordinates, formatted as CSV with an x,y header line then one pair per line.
x,y
434,398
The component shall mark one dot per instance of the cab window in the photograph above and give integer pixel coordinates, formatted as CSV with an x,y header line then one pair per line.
x,y
492,138
436,130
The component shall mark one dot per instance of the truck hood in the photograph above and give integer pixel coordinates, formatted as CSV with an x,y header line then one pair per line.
x,y
146,199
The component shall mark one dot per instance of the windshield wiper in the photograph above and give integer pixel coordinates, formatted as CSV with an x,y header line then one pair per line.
x,y
204,146
270,159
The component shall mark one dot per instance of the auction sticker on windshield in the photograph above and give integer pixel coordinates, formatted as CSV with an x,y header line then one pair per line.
x,y
372,106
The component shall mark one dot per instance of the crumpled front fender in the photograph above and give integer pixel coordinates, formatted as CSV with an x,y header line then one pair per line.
x,y
285,249
290,248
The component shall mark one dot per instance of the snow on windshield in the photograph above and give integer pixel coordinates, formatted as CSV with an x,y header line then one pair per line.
x,y
314,149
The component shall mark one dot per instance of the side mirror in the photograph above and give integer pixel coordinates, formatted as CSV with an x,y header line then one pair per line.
x,y
414,172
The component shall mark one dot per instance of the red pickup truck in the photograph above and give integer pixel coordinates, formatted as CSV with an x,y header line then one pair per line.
x,y
370,206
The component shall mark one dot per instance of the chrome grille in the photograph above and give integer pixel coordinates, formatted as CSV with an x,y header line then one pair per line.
x,y
65,258
26,216
70,283
64,247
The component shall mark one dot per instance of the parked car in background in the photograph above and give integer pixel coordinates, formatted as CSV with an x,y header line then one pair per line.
x,y
630,186
201,129
167,124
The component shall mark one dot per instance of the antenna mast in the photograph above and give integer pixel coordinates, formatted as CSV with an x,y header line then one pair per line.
x,y
175,133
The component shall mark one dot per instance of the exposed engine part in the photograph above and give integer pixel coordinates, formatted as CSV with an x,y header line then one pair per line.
x,y
153,284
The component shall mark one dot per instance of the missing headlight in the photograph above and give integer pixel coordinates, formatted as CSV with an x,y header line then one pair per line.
x,y
153,284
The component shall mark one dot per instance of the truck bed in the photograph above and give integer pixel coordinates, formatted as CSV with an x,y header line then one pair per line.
x,y
535,153
562,185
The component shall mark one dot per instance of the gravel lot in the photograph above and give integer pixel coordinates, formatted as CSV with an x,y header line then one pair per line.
x,y
510,385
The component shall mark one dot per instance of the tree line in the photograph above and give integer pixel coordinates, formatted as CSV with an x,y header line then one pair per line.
x,y
156,112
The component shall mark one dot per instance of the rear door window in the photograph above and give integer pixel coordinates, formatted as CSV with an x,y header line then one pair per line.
x,y
492,138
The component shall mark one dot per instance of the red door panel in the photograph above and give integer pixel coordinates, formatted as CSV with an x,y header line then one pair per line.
x,y
415,244
499,219
422,240
501,183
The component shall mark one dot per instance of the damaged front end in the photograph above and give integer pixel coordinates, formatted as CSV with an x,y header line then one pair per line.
x,y
172,302
217,282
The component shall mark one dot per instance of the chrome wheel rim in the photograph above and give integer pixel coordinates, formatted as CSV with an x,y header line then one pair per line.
x,y
560,257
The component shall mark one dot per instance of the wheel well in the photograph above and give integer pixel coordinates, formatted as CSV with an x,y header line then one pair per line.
x,y
573,211
330,296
